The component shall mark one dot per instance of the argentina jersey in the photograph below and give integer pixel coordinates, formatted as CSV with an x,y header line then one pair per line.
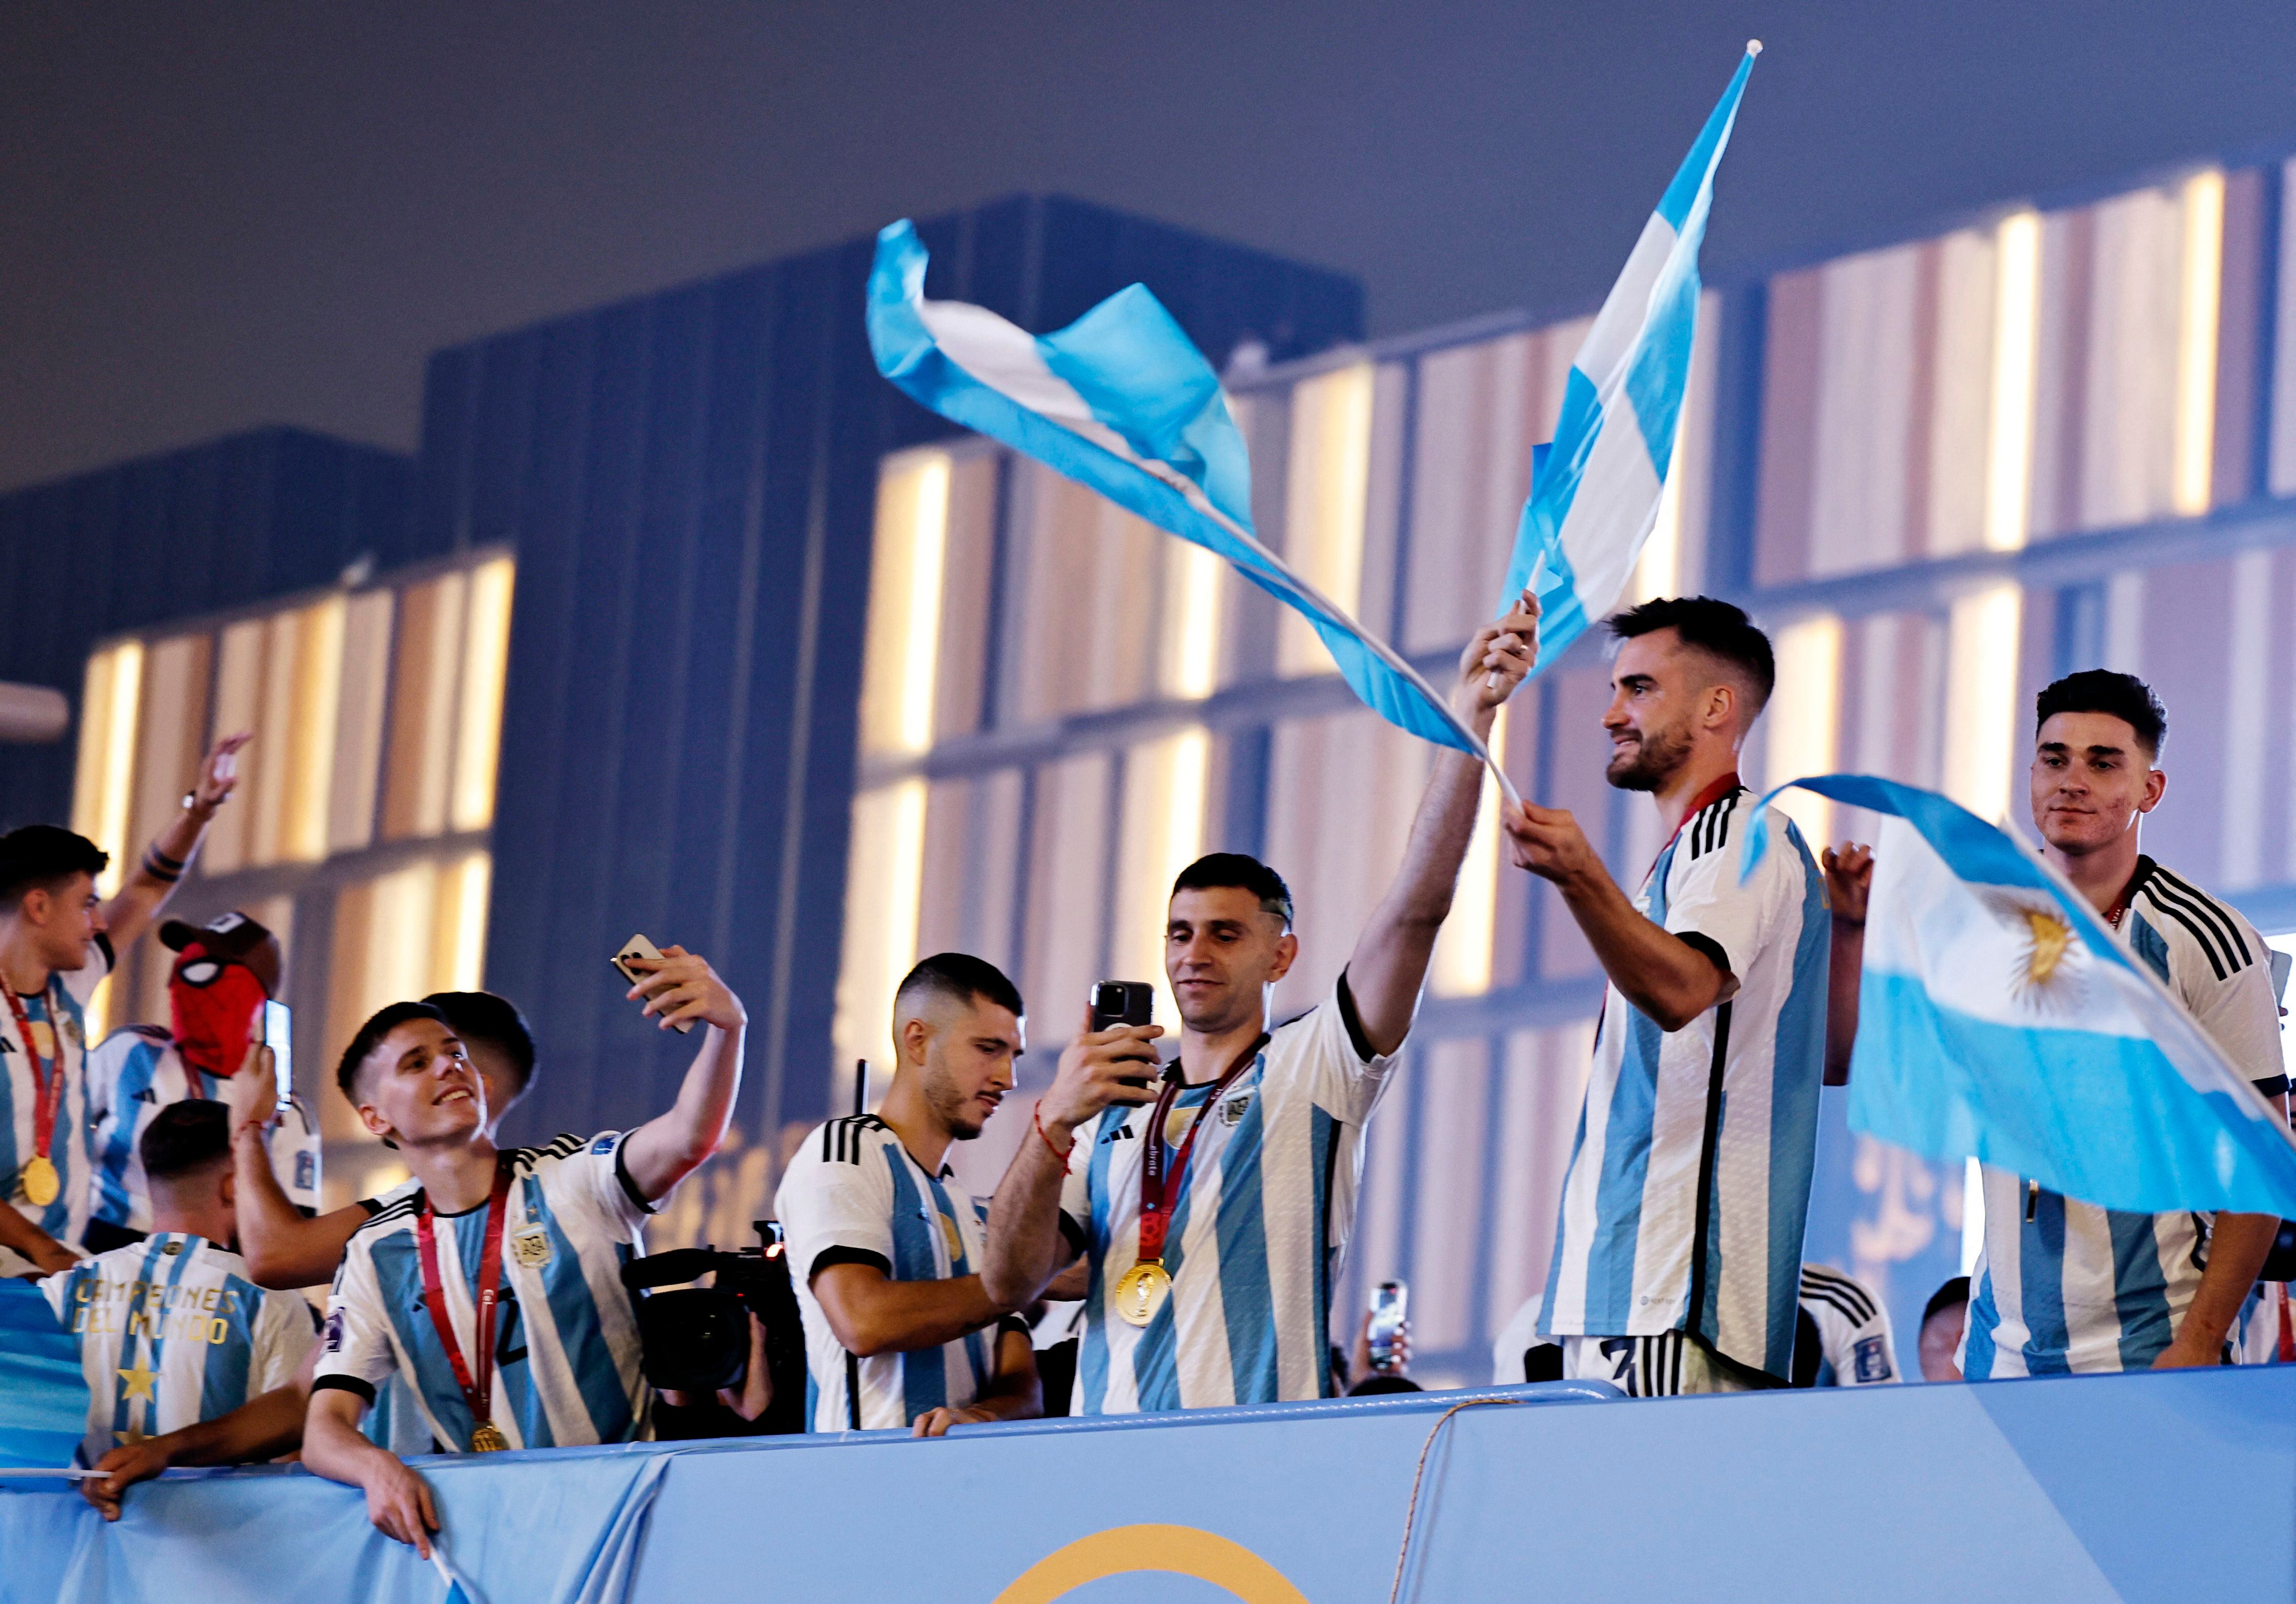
x,y
566,1342
2064,1287
171,1332
1689,1179
58,1019
1258,1234
852,1194
135,1073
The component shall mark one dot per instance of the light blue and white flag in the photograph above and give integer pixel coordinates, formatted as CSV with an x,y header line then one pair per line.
x,y
43,1390
1121,401
1999,1019
1594,493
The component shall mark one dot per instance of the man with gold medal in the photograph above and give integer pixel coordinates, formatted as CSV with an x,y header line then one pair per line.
x,y
1212,1198
58,941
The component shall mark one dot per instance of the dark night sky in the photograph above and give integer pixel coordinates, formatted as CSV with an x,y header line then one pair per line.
x,y
213,216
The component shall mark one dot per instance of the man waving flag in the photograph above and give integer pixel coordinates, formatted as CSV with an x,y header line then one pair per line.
x,y
1595,492
1122,402
1998,1019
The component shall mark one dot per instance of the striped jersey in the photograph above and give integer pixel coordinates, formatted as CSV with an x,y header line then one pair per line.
x,y
1258,1231
171,1333
2065,1287
1845,1338
566,1340
57,1014
1689,1179
133,1075
853,1195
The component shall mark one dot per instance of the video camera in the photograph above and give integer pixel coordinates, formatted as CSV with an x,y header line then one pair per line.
x,y
697,1339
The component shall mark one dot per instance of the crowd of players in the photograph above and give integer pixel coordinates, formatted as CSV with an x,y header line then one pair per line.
x,y
1190,1209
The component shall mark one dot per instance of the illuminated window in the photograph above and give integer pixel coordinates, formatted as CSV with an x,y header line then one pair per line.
x,y
905,589
883,884
417,762
2204,198
1323,524
1162,833
477,724
1981,723
104,782
1461,966
2016,335
1804,719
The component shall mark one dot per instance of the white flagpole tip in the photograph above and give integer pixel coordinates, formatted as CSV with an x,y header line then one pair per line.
x,y
1753,47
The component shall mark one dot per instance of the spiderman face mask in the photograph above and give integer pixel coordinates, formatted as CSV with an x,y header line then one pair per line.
x,y
215,1002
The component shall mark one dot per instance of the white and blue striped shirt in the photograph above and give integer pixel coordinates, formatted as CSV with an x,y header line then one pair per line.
x,y
58,1015
1258,1230
171,1333
566,1341
1689,1180
135,1073
853,1195
2066,1287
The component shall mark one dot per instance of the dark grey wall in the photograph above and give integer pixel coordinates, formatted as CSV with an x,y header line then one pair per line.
x,y
690,480
213,526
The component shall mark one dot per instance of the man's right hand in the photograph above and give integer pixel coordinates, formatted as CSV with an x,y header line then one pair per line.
x,y
122,1469
1848,881
253,1094
1098,1068
399,1502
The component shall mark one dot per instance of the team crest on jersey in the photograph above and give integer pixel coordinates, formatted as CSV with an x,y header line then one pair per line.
x,y
334,1338
530,1249
604,1144
1233,1111
1870,1360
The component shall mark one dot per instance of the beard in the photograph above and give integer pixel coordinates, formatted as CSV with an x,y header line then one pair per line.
x,y
954,1109
1649,762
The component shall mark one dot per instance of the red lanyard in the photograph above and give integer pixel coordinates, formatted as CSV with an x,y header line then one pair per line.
x,y
1156,1192
47,1076
478,1391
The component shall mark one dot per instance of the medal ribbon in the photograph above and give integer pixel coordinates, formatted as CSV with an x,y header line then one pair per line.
x,y
478,1391
47,1076
1157,1192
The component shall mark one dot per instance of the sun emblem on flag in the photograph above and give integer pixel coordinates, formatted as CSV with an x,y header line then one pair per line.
x,y
2046,973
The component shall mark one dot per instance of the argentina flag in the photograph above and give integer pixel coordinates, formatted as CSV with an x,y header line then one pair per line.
x,y
43,1392
1999,1019
1121,401
1595,492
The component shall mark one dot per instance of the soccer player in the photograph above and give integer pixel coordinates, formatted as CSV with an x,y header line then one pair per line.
x,y
286,1247
1944,1318
1214,1221
1844,1338
885,1248
1677,1255
172,1333
2065,1287
57,943
495,1287
225,972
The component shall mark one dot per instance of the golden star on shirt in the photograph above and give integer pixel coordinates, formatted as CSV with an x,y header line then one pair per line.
x,y
139,1382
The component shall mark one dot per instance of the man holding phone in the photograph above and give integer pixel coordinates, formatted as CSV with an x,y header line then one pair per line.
x,y
219,992
495,1289
1214,1221
885,1248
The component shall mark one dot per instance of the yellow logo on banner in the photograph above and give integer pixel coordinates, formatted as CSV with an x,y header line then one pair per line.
x,y
1185,1551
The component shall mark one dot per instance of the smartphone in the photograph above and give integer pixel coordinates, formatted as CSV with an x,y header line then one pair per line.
x,y
279,1036
1390,1302
637,946
1123,1002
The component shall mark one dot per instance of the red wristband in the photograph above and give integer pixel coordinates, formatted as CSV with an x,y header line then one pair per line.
x,y
1037,1118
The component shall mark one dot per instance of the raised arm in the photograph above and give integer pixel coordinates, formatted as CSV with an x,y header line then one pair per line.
x,y
283,1247
146,889
1391,957
682,986
1848,881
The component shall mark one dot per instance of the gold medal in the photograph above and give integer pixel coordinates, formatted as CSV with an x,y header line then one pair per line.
x,y
37,1180
1141,1291
488,1439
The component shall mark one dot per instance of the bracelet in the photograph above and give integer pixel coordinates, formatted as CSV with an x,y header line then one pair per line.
x,y
1037,1118
161,868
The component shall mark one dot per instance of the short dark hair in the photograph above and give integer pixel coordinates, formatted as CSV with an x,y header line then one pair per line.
x,y
960,977
183,1138
370,1036
490,1021
1216,870
2123,696
1952,1294
1716,628
44,854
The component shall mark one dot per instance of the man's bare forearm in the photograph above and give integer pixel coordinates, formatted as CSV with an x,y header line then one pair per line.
x,y
872,1313
1662,975
2237,1249
1025,1247
284,1248
1845,963
1390,957
1016,1392
31,1243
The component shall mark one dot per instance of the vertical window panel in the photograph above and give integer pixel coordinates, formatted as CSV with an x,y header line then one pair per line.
x,y
171,728
2201,200
458,945
425,658
1673,561
943,899
104,792
477,724
316,693
2281,475
1791,348
238,706
1447,1230
2242,654
1161,833
2130,432
2010,444
1982,699
1480,413
1865,401
1089,575
1958,363
1461,964
1545,1079
1803,720
897,697
1326,487
1193,584
358,720
967,567
883,886
1068,889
